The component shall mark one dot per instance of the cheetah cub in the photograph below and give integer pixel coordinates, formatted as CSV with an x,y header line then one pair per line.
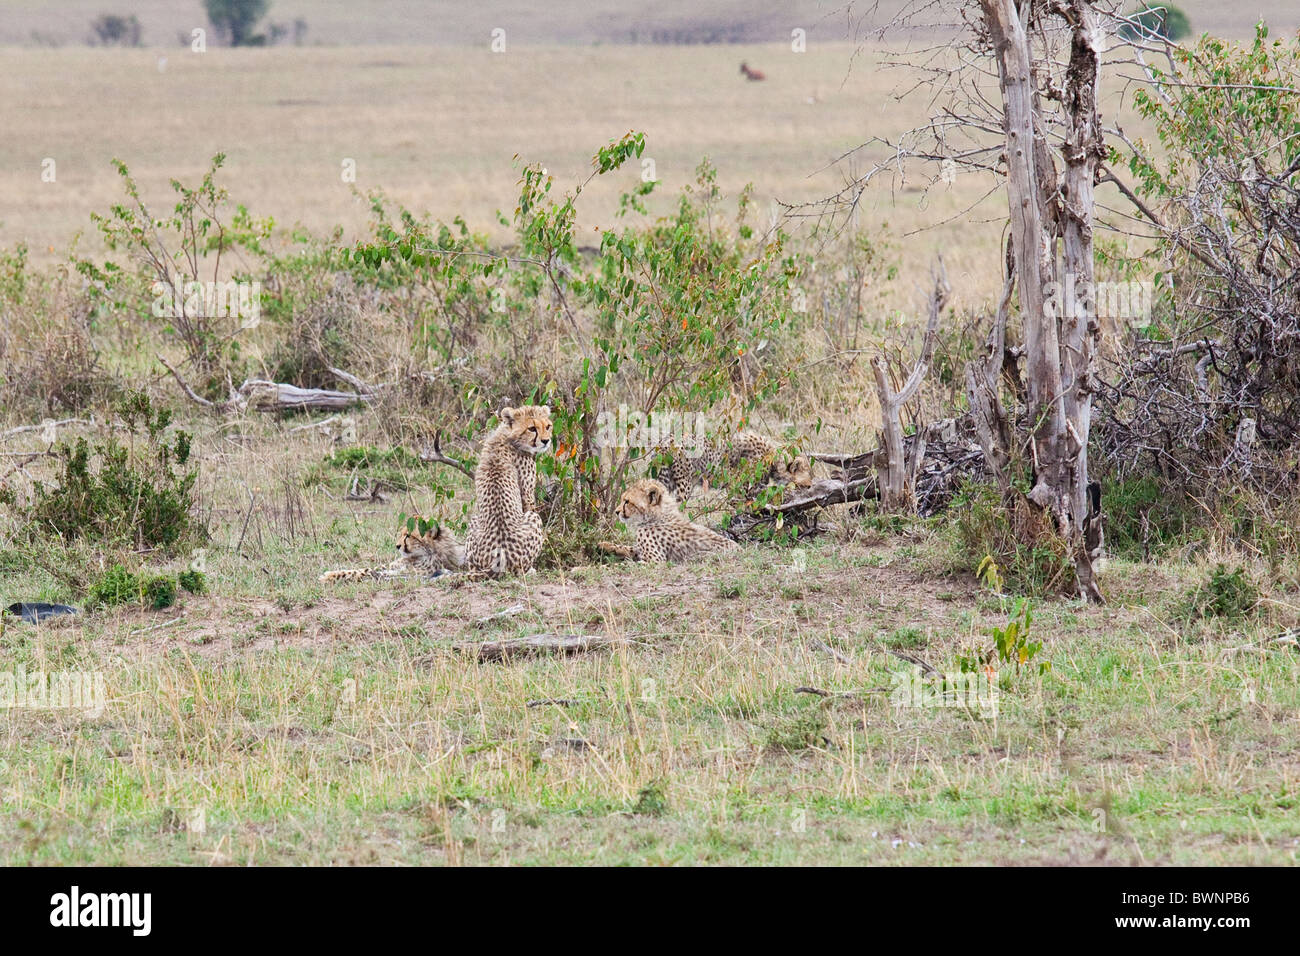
x,y
434,552
505,531
686,472
662,532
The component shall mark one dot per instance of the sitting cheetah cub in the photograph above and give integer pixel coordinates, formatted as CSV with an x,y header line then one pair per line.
x,y
505,530
662,532
434,552
687,472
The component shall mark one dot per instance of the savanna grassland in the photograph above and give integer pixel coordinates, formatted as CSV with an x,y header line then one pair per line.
x,y
438,128
738,710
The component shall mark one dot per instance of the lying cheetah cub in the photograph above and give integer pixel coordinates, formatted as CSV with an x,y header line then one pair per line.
x,y
662,532
686,472
505,531
433,552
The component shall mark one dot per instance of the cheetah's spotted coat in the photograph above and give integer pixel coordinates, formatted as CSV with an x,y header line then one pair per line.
x,y
662,532
505,531
687,472
433,552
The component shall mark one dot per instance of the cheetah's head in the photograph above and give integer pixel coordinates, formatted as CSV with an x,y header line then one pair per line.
x,y
435,540
645,499
409,539
528,427
797,472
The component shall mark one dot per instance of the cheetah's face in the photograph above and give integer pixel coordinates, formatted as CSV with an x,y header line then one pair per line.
x,y
797,472
410,542
435,548
645,499
529,427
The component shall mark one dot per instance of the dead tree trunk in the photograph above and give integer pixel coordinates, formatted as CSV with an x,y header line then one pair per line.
x,y
1083,150
1058,318
898,470
988,413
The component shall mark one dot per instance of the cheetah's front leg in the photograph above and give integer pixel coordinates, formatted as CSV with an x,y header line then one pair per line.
x,y
618,550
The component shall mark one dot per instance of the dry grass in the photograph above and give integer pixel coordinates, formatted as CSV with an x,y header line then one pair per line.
x,y
433,141
338,725
305,724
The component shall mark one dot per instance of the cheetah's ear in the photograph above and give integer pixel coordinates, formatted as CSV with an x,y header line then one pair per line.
x,y
652,496
546,410
507,416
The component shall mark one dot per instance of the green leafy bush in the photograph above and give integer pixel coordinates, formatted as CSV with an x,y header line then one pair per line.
x,y
116,586
193,581
679,315
177,276
119,585
160,592
139,494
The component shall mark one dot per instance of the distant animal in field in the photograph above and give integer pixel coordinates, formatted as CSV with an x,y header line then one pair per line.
x,y
753,75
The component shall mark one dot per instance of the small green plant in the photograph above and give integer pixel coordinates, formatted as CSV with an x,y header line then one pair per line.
x,y
651,800
1011,644
364,456
1227,595
195,582
799,731
120,585
116,586
906,639
160,592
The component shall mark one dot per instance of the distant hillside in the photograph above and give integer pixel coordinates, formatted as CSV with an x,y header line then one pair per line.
x,y
460,22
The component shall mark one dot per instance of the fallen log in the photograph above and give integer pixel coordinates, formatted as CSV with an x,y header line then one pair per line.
x,y
263,396
266,396
854,462
828,491
355,382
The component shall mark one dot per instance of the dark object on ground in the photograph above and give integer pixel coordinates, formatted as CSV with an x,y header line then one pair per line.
x,y
34,611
